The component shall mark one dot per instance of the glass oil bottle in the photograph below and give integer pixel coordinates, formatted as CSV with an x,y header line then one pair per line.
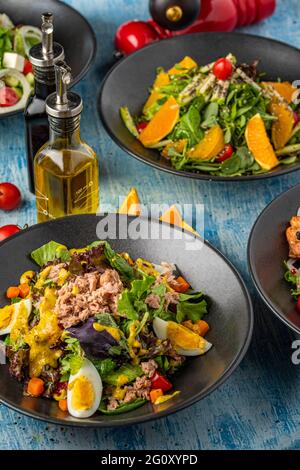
x,y
43,58
65,168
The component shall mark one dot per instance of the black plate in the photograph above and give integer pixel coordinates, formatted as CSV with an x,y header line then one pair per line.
x,y
267,251
128,82
72,31
231,316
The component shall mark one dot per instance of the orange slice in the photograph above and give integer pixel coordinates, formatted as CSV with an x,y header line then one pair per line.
x,y
131,204
259,143
283,127
285,89
210,146
161,124
186,64
178,146
173,216
162,79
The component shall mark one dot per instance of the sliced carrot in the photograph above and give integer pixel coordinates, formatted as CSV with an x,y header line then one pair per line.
x,y
202,327
35,387
24,290
181,285
155,394
63,405
12,292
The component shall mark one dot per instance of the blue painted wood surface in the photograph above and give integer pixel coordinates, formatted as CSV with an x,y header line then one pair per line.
x,y
258,407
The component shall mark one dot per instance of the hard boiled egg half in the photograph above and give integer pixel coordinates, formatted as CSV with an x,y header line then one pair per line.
x,y
185,341
10,313
84,391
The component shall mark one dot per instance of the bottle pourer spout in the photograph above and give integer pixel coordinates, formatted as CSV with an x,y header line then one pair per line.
x,y
47,35
63,79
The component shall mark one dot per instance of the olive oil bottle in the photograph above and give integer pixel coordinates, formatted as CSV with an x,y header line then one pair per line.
x,y
65,168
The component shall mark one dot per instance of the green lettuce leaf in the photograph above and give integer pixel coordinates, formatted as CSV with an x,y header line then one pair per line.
x,y
50,251
191,306
129,370
71,362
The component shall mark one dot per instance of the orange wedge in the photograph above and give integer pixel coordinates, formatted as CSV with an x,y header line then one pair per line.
x,y
283,127
173,216
186,64
285,89
161,124
131,204
178,146
259,143
162,79
210,146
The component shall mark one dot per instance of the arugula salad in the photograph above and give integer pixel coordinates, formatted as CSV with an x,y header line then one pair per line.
x,y
16,77
98,332
220,118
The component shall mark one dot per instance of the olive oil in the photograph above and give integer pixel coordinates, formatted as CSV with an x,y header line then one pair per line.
x,y
65,168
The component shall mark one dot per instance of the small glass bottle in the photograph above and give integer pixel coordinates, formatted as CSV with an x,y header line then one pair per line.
x,y
65,168
43,57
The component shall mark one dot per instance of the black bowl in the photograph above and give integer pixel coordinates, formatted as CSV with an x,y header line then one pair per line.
x,y
72,31
128,82
267,251
231,316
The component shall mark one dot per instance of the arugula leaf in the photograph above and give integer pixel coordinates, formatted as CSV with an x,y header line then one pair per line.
x,y
50,251
125,408
128,372
189,127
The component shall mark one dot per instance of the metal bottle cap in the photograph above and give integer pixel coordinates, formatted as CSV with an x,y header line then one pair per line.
x,y
47,53
63,103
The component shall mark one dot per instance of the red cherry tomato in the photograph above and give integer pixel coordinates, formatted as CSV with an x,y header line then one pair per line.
x,y
133,35
8,96
159,381
225,154
222,69
296,118
8,230
298,304
10,196
141,126
27,67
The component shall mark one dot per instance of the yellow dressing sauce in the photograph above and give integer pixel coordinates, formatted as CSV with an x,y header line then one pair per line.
x,y
114,332
42,277
20,327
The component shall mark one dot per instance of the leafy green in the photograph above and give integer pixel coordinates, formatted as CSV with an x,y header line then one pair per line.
x,y
131,372
125,408
106,319
191,306
49,252
126,307
128,121
290,277
104,366
130,304
6,42
117,262
71,362
189,125
163,363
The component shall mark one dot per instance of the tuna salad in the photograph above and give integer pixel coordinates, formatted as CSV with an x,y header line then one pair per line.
x,y
98,332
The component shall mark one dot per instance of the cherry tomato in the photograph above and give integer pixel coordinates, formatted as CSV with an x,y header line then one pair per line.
x,y
10,196
225,154
8,96
8,230
296,118
222,69
141,126
133,35
298,304
27,67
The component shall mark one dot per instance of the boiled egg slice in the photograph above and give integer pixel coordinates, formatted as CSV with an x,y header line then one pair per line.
x,y
185,341
10,313
84,391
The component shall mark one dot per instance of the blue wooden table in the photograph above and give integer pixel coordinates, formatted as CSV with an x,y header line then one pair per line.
x,y
258,407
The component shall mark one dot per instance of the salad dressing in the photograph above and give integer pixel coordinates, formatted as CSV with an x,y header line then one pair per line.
x,y
66,168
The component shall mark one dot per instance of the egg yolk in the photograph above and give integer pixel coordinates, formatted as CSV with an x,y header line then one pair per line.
x,y
83,395
182,337
6,314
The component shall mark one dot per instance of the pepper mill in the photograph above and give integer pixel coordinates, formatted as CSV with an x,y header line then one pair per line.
x,y
174,14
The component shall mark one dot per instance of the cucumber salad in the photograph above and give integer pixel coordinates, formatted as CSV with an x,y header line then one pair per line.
x,y
220,118
16,77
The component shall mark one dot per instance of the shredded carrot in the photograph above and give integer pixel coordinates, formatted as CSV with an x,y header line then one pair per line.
x,y
181,285
35,387
202,327
154,394
24,290
12,292
63,405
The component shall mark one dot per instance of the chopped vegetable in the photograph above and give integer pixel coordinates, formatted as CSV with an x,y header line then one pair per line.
x,y
160,382
36,387
63,405
155,393
12,292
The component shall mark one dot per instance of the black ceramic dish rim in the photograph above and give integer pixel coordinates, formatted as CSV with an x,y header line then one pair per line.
x,y
183,173
250,255
86,68
130,421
